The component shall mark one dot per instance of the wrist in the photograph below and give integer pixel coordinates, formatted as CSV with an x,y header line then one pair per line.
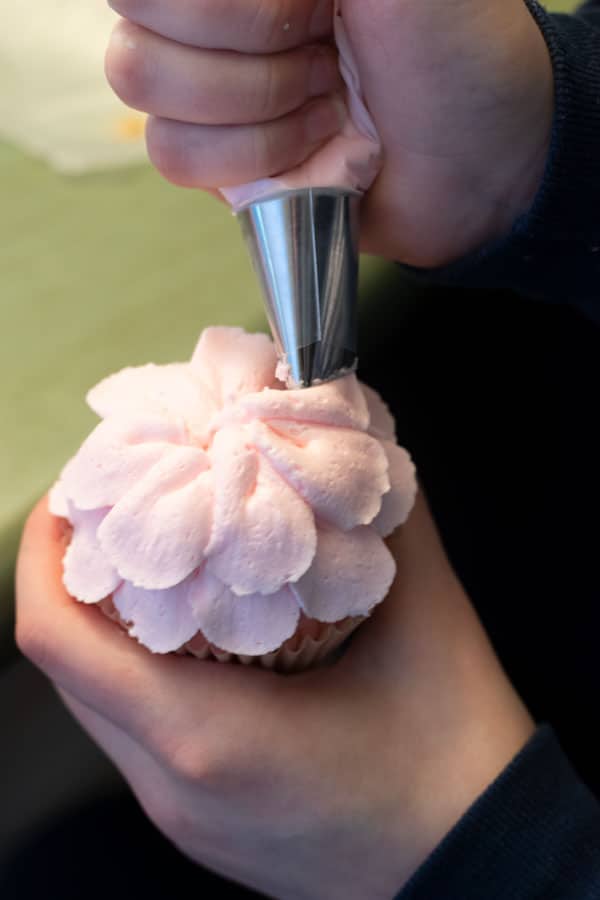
x,y
481,724
470,764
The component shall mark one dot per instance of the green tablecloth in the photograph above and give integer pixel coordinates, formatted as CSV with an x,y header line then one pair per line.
x,y
96,273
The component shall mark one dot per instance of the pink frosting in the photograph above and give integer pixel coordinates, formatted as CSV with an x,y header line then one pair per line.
x,y
211,499
351,160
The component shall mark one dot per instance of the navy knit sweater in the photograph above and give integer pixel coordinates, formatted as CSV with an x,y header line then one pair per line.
x,y
535,832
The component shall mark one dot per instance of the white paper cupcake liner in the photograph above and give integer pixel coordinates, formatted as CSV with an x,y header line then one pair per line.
x,y
312,643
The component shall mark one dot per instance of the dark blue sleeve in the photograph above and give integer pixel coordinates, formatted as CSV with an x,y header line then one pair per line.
x,y
553,251
534,834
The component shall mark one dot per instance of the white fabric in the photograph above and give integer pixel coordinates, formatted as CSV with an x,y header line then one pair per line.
x,y
55,101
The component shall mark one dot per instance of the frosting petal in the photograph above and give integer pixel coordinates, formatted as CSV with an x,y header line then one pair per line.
x,y
232,362
157,533
172,391
161,620
264,533
58,504
249,625
116,455
399,500
351,573
342,474
88,573
339,403
381,421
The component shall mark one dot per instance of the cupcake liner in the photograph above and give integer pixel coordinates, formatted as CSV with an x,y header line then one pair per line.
x,y
312,643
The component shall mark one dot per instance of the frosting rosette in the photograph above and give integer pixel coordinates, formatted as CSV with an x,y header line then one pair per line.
x,y
209,499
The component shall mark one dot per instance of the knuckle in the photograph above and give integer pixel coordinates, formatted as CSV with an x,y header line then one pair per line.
x,y
124,66
191,759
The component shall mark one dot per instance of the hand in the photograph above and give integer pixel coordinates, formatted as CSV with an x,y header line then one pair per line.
x,y
461,94
333,783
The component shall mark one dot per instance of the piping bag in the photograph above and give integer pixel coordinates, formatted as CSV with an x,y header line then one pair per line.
x,y
302,231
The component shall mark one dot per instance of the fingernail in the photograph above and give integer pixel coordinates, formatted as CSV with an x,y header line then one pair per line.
x,y
325,118
325,75
122,37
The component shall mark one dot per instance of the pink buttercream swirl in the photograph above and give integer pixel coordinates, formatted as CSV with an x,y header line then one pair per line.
x,y
209,499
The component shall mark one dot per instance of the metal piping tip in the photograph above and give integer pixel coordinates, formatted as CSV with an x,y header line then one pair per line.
x,y
304,248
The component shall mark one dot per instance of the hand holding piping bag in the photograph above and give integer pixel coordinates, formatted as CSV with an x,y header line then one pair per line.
x,y
461,99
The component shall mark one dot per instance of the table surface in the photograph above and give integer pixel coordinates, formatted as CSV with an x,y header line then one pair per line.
x,y
98,272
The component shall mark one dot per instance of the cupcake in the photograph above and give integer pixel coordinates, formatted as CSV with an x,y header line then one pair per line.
x,y
214,512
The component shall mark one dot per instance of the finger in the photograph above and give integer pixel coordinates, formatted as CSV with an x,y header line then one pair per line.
x,y
248,26
221,156
75,645
211,87
155,699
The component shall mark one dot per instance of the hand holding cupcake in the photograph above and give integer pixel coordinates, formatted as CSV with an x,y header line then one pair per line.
x,y
332,783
